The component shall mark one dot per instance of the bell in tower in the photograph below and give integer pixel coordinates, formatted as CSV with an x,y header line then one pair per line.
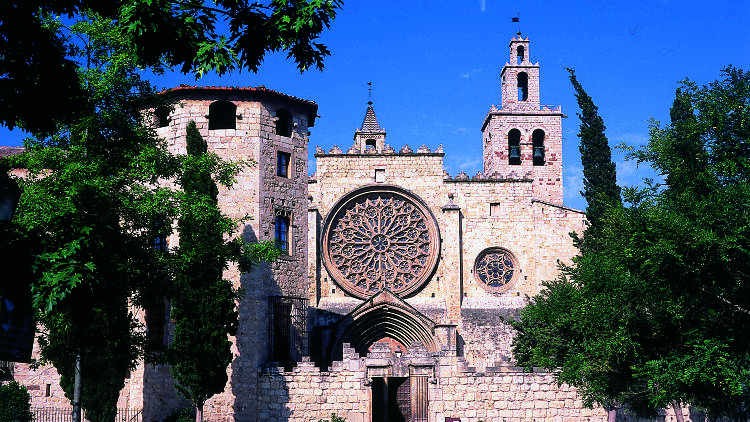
x,y
521,136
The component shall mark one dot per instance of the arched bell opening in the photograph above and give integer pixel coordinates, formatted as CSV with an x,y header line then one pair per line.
x,y
538,143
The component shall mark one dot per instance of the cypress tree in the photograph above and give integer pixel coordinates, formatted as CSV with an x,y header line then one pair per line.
x,y
203,302
600,187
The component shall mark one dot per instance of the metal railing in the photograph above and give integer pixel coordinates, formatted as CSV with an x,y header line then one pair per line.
x,y
287,329
57,414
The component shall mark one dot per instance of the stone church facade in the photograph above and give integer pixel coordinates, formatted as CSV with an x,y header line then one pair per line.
x,y
389,299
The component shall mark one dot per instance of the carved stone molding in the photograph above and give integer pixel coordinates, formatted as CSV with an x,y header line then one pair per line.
x,y
380,237
496,269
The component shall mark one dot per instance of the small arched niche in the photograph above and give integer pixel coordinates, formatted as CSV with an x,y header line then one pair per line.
x,y
537,140
283,122
370,143
222,115
161,116
514,147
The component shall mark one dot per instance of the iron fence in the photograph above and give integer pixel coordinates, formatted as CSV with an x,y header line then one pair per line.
x,y
56,414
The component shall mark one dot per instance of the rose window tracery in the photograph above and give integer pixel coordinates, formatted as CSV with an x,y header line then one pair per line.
x,y
380,238
495,268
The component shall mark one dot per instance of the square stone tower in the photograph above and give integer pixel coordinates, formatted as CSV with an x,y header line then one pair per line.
x,y
522,136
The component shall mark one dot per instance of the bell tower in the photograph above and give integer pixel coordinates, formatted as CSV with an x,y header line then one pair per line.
x,y
523,136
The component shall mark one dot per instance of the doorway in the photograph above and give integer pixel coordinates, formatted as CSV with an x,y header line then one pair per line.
x,y
399,399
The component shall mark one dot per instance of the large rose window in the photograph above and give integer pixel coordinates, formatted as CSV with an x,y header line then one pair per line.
x,y
380,237
495,268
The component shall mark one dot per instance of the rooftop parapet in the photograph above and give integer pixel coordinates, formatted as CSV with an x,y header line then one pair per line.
x,y
481,177
354,150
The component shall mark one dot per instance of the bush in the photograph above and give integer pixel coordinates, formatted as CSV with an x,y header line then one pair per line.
x,y
15,403
182,415
334,418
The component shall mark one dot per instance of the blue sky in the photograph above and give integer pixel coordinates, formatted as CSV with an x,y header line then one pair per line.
x,y
435,68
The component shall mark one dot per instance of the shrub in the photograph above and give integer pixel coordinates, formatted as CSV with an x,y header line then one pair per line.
x,y
182,415
334,418
15,403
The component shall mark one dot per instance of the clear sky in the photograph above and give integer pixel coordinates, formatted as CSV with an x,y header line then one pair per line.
x,y
435,69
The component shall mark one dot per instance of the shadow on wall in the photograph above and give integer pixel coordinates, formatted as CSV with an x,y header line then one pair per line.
x,y
323,336
160,398
253,342
694,415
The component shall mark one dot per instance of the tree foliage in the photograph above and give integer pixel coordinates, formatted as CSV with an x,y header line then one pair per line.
x,y
203,302
15,403
88,211
657,314
600,187
192,35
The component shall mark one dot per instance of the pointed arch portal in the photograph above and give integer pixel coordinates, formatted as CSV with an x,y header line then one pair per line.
x,y
382,317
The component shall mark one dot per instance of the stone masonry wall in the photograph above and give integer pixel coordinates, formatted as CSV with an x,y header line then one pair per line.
x,y
485,211
507,394
502,393
262,195
548,183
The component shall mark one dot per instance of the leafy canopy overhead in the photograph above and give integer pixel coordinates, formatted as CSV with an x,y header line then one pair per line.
x,y
195,36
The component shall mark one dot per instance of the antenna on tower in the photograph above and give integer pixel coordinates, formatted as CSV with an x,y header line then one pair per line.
x,y
369,93
517,20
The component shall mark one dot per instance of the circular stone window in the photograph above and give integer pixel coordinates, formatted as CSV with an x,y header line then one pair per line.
x,y
380,237
495,268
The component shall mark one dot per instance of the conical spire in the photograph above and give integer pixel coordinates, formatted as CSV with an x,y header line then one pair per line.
x,y
370,123
370,137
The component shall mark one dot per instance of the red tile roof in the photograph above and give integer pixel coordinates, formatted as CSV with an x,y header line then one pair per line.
x,y
258,89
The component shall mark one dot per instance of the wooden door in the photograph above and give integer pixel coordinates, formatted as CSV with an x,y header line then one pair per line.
x,y
419,400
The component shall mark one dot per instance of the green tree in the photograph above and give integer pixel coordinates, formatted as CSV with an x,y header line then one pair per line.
x,y
203,302
657,313
192,35
600,187
15,403
88,209
554,332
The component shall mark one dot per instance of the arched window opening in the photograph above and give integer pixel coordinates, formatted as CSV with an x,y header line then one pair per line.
x,y
281,234
514,147
370,143
520,54
537,140
222,115
283,122
161,114
523,86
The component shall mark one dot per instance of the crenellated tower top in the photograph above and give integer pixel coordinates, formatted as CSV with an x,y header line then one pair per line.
x,y
523,136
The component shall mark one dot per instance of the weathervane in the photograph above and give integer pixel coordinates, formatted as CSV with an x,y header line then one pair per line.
x,y
517,19
369,93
